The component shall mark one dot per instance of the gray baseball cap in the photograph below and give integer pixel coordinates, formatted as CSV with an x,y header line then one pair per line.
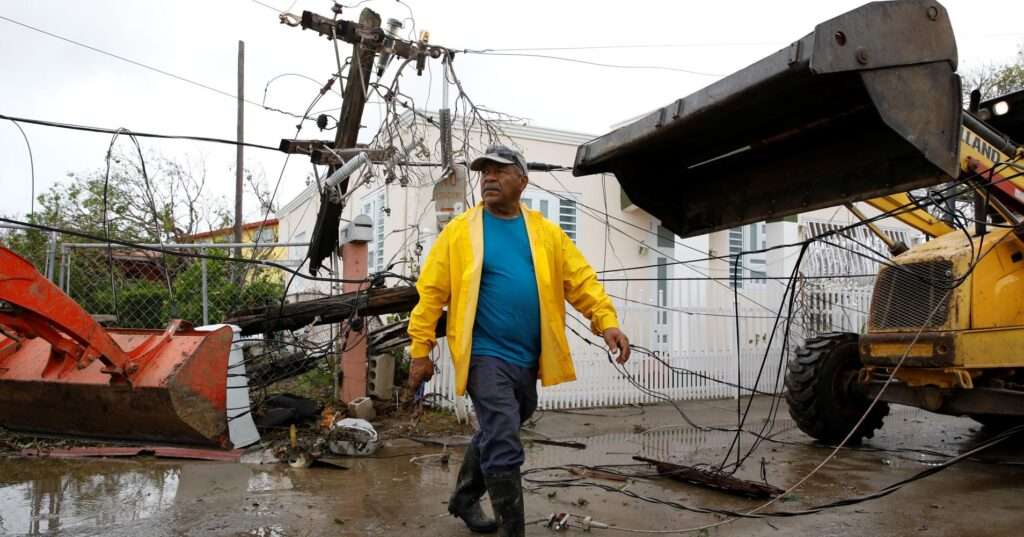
x,y
501,154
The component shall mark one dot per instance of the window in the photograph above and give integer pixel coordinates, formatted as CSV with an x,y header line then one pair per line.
x,y
546,203
666,239
662,328
735,247
751,269
298,252
567,217
662,280
373,206
264,235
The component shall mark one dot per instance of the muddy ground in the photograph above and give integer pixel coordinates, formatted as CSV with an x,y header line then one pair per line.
x,y
391,496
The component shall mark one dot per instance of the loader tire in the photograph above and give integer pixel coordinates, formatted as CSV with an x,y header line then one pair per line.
x,y
821,391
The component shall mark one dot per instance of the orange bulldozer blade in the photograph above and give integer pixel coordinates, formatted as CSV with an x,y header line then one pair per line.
x,y
62,373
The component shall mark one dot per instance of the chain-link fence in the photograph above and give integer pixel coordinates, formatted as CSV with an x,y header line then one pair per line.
x,y
146,289
38,247
140,288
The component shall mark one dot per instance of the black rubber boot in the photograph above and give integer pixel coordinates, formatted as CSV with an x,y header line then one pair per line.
x,y
506,490
469,488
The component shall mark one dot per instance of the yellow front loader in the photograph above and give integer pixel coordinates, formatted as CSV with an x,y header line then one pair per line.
x,y
865,108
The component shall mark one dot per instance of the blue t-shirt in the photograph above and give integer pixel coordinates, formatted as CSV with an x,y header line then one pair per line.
x,y
507,324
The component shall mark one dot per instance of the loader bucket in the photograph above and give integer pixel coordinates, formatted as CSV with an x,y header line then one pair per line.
x,y
867,104
62,373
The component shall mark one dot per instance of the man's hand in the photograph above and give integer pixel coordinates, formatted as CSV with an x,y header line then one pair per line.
x,y
420,371
617,342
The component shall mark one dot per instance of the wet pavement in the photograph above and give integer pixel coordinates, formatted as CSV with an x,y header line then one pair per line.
x,y
392,496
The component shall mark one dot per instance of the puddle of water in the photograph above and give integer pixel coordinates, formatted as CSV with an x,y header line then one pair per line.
x,y
393,496
48,496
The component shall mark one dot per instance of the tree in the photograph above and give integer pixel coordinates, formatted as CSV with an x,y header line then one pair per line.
x,y
994,80
159,200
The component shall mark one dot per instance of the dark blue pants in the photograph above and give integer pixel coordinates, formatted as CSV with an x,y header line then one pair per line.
x,y
504,396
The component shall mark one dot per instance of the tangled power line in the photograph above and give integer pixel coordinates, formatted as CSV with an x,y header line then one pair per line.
x,y
403,130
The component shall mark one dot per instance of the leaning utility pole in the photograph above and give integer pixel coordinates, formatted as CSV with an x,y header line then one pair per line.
x,y
368,40
238,147
325,232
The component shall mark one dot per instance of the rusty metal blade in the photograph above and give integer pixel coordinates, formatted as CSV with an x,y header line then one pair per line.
x,y
179,397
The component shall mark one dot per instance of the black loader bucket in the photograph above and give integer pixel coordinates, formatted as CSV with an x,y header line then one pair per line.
x,y
867,104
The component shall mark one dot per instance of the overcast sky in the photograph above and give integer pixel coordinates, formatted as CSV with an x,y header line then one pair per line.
x,y
50,79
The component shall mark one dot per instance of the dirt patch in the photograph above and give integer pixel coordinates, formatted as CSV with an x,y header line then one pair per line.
x,y
428,423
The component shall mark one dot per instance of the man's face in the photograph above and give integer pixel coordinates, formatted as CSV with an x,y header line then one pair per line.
x,y
501,185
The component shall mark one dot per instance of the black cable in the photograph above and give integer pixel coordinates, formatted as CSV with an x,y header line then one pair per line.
x,y
103,130
739,355
885,491
31,164
789,322
774,410
630,46
783,352
643,389
168,251
144,66
731,278
270,203
684,371
106,226
596,64
896,211
156,223
839,231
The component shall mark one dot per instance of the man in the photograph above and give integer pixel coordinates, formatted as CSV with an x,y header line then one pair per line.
x,y
505,273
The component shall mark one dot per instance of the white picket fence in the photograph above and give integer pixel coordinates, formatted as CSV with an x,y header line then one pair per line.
x,y
598,383
703,340
701,352
836,306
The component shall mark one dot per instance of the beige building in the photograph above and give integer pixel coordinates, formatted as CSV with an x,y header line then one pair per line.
x,y
405,223
680,299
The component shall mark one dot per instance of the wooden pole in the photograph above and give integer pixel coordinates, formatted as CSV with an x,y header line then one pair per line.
x,y
238,148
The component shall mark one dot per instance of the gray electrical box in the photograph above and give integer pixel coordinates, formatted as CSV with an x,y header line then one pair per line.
x,y
360,229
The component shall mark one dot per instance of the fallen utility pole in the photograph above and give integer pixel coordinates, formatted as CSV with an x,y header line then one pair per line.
x,y
326,310
713,480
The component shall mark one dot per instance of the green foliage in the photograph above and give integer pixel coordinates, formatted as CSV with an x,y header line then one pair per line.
x,y
140,304
165,204
30,244
316,383
224,295
146,301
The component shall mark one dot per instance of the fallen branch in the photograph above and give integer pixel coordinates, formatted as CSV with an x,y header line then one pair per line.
x,y
560,443
713,480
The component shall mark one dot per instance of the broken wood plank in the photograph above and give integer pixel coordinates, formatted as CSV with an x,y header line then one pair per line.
x,y
166,452
713,480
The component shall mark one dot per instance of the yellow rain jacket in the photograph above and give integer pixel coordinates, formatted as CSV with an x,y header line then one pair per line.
x,y
451,277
